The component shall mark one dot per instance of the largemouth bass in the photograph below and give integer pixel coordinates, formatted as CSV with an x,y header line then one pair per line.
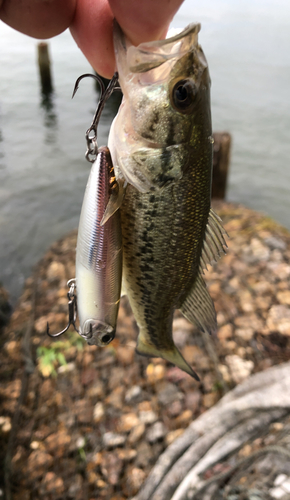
x,y
99,255
161,145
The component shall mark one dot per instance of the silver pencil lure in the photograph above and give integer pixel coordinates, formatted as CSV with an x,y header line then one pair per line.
x,y
97,286
99,255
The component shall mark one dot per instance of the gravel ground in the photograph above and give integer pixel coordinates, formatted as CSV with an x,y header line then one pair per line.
x,y
84,422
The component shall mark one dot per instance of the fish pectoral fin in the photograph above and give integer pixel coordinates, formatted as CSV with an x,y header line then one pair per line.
x,y
214,243
198,307
172,355
114,203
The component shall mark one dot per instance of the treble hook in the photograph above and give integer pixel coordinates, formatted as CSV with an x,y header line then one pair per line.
x,y
105,94
96,77
72,311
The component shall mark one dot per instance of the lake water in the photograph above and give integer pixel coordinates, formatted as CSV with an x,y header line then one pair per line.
x,y
42,167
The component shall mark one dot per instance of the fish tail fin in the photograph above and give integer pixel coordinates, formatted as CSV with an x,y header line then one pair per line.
x,y
172,355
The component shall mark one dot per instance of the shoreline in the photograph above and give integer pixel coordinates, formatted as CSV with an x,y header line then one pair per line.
x,y
79,404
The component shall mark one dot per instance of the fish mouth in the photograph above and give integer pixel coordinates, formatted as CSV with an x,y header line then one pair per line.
x,y
150,55
96,332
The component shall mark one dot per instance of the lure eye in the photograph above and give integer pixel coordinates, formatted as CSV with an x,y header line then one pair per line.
x,y
183,95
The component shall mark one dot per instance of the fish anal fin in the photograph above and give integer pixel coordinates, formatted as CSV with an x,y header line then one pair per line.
x,y
214,241
172,355
198,307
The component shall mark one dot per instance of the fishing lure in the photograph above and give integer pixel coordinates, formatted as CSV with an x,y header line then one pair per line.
x,y
95,293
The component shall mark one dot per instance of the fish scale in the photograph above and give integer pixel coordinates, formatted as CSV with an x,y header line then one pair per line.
x,y
159,266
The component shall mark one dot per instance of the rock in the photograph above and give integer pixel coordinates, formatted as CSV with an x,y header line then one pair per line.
x,y
56,271
127,422
279,319
133,394
262,287
57,443
111,467
174,409
116,397
112,440
13,349
125,355
280,270
169,394
156,432
155,373
275,243
52,484
192,400
144,455
99,412
246,301
184,419
135,480
263,302
225,372
147,417
181,329
69,367
245,333
5,424
284,297
281,486
11,390
126,455
208,400
175,375
192,354
136,433
239,368
259,251
116,376
249,321
38,462
225,332
76,486
83,411
97,390
172,435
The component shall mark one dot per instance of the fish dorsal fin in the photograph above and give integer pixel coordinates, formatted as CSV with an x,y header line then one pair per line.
x,y
214,243
198,307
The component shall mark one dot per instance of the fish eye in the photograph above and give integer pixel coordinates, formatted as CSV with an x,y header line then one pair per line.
x,y
183,95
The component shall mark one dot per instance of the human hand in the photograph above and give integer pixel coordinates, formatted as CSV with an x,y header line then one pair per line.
x,y
91,23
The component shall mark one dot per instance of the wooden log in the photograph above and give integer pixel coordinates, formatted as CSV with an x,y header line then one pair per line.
x,y
219,432
44,68
221,159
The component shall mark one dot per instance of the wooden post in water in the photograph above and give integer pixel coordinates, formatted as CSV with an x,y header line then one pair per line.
x,y
221,160
44,68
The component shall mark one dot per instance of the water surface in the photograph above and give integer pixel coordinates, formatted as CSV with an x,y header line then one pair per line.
x,y
42,167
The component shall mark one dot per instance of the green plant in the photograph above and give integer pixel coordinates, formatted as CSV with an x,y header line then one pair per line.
x,y
49,358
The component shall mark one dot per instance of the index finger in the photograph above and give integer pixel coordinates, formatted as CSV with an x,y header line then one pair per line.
x,y
142,20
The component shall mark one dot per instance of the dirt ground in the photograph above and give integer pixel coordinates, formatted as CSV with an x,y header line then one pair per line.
x,y
82,422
